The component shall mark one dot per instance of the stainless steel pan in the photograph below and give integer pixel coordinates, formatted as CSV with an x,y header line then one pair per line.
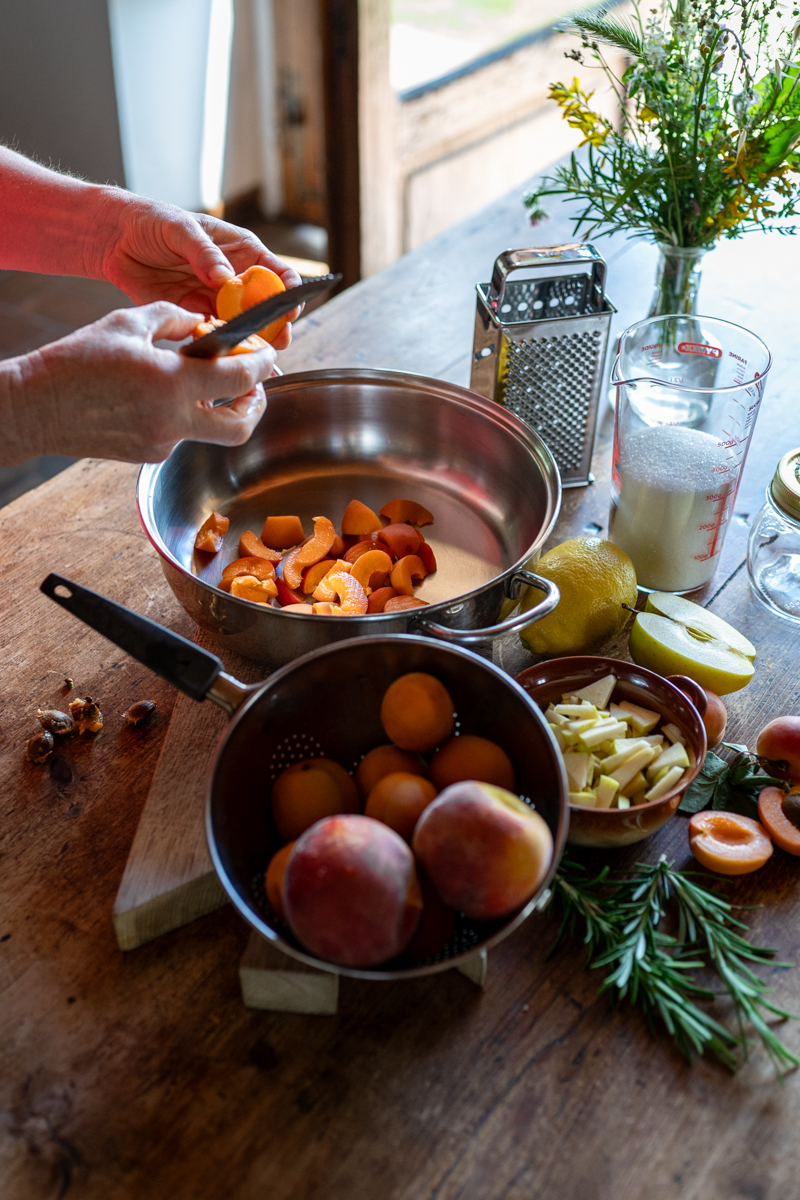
x,y
328,437
328,703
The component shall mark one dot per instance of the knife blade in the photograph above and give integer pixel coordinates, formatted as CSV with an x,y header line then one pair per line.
x,y
223,340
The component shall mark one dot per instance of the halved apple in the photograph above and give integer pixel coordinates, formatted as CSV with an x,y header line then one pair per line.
x,y
674,636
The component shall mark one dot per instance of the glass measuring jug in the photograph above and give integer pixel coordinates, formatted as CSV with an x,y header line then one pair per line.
x,y
688,393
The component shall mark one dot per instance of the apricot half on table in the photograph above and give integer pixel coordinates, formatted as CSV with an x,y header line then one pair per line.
x,y
471,757
310,790
417,711
483,849
780,815
728,843
399,800
351,893
243,291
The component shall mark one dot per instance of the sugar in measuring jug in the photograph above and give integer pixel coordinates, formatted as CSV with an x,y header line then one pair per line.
x,y
688,394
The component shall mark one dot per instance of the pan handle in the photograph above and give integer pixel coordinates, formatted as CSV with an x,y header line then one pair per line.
x,y
192,670
467,637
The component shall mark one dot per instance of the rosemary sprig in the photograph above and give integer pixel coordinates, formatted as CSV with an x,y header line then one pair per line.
x,y
621,919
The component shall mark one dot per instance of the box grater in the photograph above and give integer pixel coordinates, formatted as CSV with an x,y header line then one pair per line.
x,y
540,347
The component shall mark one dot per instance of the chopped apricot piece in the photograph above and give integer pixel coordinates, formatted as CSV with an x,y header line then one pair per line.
x,y
399,603
379,598
323,591
313,575
282,532
358,520
259,567
311,552
376,562
251,287
773,806
428,559
247,587
324,608
348,591
211,532
285,595
252,547
405,571
728,843
354,552
401,540
406,512
338,548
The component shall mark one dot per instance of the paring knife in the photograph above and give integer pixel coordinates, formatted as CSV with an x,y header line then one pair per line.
x,y
222,341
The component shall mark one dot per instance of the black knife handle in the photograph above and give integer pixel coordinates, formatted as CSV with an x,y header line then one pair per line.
x,y
171,656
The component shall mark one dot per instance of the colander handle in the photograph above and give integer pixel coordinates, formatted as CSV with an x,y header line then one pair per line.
x,y
550,256
468,637
186,666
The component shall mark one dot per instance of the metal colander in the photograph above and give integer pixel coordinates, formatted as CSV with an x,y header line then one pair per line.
x,y
540,347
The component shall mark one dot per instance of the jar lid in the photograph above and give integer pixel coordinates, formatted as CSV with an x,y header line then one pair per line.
x,y
786,483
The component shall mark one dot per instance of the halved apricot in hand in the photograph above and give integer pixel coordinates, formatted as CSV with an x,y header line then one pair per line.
x,y
400,603
417,712
273,884
405,571
323,591
401,539
376,562
310,790
211,532
426,555
406,512
243,291
358,520
252,547
384,760
282,532
313,575
471,757
399,800
311,552
377,602
728,843
780,815
247,587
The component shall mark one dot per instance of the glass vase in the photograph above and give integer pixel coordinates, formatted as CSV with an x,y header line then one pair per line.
x,y
677,280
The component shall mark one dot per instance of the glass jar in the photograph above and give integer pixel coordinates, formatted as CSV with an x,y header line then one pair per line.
x,y
773,550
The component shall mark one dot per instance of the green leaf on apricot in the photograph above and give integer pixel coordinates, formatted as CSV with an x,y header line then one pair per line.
x,y
728,787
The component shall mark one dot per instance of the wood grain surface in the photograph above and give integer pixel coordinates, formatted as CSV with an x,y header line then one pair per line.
x,y
143,1075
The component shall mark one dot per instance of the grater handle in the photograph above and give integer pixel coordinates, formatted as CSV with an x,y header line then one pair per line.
x,y
549,256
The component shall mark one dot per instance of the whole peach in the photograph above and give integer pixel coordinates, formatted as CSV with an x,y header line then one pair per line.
x,y
435,926
779,742
484,850
350,891
715,718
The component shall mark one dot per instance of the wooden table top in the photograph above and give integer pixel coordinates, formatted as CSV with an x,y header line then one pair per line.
x,y
142,1074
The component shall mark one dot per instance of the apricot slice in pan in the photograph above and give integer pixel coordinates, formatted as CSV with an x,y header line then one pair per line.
x,y
338,548
211,532
251,287
399,800
358,520
426,555
406,512
273,884
350,594
313,575
417,712
471,757
728,843
310,790
324,608
260,567
401,539
323,591
377,602
384,760
247,587
285,595
367,565
282,532
311,552
405,571
252,547
399,603
354,552
772,808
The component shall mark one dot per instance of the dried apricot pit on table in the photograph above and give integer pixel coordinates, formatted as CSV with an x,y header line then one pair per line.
x,y
86,715
282,532
56,722
780,815
417,712
728,843
310,790
471,757
211,532
406,512
40,747
141,711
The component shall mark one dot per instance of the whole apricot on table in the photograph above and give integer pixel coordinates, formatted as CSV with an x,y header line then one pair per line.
x,y
399,800
471,757
483,849
273,884
310,790
351,892
417,712
779,743
243,291
779,813
384,760
715,718
728,843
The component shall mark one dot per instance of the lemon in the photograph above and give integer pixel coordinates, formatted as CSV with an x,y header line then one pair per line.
x,y
595,579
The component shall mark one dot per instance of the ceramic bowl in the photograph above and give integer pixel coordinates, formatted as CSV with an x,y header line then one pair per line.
x,y
679,699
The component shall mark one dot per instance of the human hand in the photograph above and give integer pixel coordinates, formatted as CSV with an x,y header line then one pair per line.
x,y
107,391
155,251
